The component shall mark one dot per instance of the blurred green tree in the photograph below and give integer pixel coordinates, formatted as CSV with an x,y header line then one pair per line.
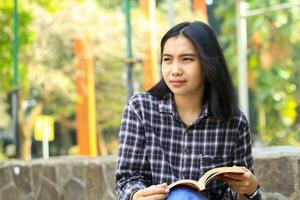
x,y
35,93
52,70
273,54
6,49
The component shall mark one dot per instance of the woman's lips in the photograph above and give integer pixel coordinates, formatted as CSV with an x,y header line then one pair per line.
x,y
177,83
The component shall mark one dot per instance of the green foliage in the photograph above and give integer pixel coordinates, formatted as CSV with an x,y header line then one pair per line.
x,y
108,4
3,108
6,48
6,40
53,6
52,65
273,54
2,153
48,31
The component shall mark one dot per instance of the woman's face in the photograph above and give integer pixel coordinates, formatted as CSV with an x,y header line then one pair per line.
x,y
181,67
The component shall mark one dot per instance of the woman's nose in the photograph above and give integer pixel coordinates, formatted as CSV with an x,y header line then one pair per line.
x,y
176,69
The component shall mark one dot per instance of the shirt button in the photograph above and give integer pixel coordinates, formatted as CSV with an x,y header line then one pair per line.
x,y
185,150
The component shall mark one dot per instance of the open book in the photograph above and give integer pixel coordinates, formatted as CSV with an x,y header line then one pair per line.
x,y
208,176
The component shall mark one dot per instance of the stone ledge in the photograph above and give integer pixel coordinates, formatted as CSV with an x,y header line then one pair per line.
x,y
278,169
59,178
81,178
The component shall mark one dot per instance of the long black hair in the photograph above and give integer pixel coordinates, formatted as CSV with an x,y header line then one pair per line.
x,y
218,90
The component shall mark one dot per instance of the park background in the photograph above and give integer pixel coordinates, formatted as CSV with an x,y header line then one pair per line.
x,y
52,34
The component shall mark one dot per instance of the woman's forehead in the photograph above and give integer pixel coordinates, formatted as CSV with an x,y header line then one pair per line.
x,y
179,44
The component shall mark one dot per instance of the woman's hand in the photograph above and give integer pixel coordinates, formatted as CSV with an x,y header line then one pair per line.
x,y
245,183
154,192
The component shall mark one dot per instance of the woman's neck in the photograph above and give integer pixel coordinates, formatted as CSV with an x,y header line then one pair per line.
x,y
188,108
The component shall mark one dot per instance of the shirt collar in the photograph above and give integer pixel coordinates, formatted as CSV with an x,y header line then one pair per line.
x,y
167,105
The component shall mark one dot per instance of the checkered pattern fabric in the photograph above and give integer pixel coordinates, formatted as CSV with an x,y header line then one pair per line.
x,y
156,146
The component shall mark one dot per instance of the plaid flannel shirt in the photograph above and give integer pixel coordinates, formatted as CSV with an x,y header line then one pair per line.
x,y
156,146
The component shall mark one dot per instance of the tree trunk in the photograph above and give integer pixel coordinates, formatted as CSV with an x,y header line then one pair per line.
x,y
26,130
26,148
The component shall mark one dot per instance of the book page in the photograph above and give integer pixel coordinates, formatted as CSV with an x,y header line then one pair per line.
x,y
217,171
190,183
209,175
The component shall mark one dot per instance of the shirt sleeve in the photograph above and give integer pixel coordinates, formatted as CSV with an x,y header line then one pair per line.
x,y
242,154
133,171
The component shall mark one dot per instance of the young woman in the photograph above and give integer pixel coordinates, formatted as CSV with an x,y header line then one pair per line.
x,y
185,125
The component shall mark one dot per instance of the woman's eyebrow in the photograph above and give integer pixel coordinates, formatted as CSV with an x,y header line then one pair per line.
x,y
188,54
184,54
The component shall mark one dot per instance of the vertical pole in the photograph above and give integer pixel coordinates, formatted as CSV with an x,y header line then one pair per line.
x,y
200,9
129,63
46,133
241,23
85,108
171,14
150,58
15,120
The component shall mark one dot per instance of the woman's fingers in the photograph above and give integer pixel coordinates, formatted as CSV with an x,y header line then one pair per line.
x,y
245,183
153,192
233,176
238,176
155,189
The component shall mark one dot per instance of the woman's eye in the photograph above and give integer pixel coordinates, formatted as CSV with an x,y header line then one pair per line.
x,y
187,59
166,59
